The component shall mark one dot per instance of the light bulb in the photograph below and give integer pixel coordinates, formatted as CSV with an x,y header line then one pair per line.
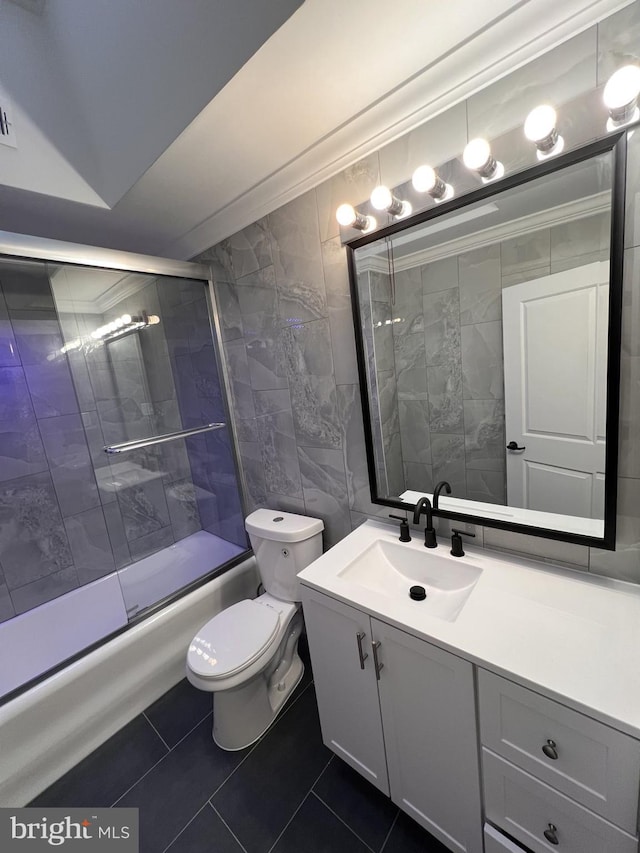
x,y
540,123
622,87
126,319
349,217
620,96
425,180
540,127
381,198
346,215
476,154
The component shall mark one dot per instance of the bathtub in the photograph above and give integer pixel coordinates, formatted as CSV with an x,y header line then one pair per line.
x,y
51,727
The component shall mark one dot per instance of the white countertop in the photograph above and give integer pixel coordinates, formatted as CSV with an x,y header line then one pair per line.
x,y
572,635
518,515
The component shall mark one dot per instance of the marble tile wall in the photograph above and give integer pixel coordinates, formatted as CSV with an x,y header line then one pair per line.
x,y
70,514
295,390
452,426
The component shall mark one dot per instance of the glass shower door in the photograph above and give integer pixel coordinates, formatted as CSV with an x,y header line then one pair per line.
x,y
94,359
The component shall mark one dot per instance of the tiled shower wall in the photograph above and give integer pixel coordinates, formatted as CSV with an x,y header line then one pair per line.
x,y
68,514
283,293
439,356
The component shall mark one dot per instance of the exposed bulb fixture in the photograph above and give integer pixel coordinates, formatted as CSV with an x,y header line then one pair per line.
x,y
383,199
115,329
349,217
478,158
540,127
426,180
621,97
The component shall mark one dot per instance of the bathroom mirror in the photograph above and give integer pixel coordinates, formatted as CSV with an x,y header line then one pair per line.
x,y
488,336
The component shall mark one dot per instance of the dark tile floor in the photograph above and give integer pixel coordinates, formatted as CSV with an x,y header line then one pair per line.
x,y
286,794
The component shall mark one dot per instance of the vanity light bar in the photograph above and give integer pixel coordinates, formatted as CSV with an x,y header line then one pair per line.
x,y
620,96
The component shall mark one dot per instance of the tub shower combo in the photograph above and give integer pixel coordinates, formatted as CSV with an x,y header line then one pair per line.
x,y
118,479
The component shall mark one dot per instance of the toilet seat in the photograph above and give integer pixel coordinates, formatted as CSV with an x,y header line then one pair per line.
x,y
233,640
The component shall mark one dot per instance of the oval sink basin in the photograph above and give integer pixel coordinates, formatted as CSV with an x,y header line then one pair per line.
x,y
392,569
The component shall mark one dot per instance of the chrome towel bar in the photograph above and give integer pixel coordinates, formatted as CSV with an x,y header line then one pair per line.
x,y
137,444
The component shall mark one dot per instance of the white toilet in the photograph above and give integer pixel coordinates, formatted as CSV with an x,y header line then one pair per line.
x,y
247,655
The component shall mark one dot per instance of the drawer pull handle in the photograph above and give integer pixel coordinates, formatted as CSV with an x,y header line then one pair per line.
x,y
379,666
550,834
550,749
362,655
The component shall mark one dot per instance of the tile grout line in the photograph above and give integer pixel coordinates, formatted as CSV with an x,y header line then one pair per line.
x,y
171,749
228,827
146,773
323,771
303,801
195,726
343,822
188,823
395,820
144,714
284,829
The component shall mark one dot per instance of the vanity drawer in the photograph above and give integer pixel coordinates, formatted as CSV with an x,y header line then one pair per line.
x,y
496,842
526,808
590,762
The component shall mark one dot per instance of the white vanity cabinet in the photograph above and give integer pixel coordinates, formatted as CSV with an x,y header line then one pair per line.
x,y
389,701
555,778
446,693
346,687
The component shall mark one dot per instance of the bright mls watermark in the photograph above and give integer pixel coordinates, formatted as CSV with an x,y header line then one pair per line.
x,y
31,830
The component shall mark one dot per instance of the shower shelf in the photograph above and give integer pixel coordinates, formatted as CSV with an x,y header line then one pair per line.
x,y
137,444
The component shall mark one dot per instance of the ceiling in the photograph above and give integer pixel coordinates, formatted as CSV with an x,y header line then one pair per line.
x,y
162,128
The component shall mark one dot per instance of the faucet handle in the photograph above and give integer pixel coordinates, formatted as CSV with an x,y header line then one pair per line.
x,y
405,536
456,541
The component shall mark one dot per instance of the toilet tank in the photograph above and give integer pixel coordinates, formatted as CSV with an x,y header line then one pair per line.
x,y
284,544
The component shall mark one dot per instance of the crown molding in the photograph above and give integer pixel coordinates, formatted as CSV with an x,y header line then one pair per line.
x,y
532,29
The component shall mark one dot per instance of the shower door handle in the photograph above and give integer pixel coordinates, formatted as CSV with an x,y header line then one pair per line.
x,y
139,443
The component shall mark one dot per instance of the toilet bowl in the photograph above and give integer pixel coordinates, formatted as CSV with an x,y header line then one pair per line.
x,y
247,655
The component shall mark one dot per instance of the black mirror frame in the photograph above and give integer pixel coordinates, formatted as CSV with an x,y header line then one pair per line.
x,y
616,143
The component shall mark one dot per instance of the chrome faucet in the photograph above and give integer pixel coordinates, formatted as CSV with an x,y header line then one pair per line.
x,y
424,506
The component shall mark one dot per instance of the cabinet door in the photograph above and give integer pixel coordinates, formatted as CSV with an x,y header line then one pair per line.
x,y
346,687
428,711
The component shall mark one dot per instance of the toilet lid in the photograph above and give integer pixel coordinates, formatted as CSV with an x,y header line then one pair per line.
x,y
233,639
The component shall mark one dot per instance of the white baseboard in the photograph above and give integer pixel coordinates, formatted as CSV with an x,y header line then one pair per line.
x,y
50,728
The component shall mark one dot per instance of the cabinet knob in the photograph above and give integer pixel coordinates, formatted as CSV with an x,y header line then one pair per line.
x,y
361,654
550,749
550,834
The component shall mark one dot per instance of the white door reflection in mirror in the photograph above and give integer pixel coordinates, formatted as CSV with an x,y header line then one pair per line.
x,y
555,345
